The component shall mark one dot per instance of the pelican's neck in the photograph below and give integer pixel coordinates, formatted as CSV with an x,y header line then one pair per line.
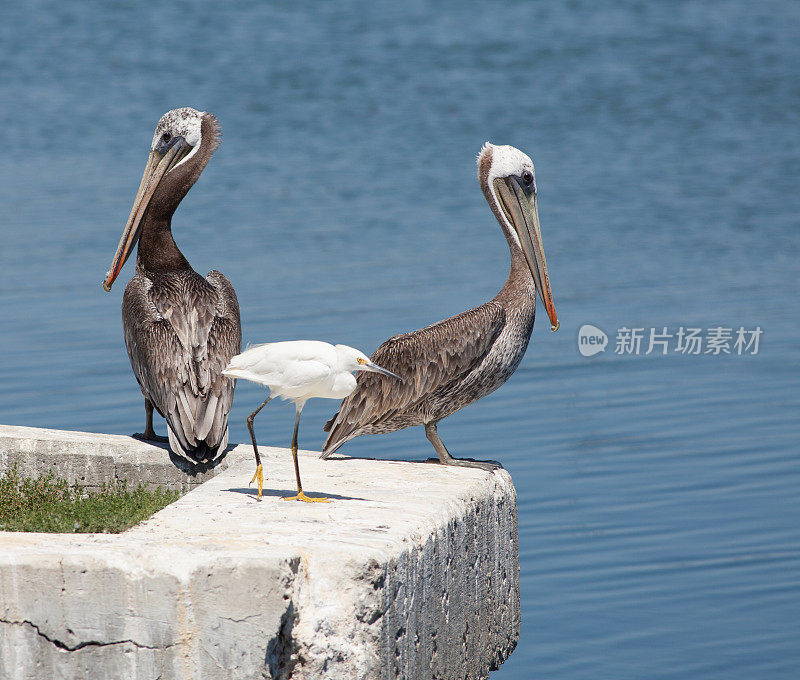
x,y
520,287
520,272
158,252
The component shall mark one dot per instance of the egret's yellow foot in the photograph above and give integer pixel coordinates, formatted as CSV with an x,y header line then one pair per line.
x,y
306,499
259,475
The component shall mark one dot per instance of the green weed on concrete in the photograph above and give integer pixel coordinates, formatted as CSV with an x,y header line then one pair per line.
x,y
51,505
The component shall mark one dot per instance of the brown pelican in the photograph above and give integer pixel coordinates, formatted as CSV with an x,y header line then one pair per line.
x,y
453,363
180,329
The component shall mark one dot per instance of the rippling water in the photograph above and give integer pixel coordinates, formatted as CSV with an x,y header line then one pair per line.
x,y
658,496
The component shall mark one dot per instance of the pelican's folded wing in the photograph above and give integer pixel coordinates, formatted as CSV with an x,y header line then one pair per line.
x,y
426,360
178,345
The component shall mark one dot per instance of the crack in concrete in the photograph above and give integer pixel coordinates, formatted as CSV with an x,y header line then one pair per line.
x,y
246,618
82,645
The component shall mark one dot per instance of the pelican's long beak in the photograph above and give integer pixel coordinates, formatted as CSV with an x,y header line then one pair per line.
x,y
523,214
374,368
158,165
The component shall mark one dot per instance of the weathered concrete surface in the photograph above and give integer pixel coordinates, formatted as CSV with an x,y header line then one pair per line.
x,y
91,459
411,572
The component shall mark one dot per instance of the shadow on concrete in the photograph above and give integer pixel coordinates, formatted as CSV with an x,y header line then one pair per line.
x,y
247,491
341,458
190,467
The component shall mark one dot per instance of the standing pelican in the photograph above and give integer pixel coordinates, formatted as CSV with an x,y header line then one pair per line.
x,y
453,363
180,329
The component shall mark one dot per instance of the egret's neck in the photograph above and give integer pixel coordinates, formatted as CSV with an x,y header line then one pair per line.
x,y
343,384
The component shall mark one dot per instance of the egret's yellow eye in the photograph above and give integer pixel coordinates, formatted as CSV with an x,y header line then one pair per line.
x,y
361,361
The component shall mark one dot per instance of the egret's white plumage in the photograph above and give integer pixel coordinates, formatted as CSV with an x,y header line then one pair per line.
x,y
297,371
300,369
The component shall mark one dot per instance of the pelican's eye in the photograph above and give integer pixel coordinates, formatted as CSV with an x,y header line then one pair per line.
x,y
166,137
527,177
361,361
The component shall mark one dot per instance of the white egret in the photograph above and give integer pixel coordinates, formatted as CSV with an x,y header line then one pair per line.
x,y
297,371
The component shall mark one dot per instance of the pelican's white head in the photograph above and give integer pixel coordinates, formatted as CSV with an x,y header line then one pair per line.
x,y
350,359
505,161
507,180
185,122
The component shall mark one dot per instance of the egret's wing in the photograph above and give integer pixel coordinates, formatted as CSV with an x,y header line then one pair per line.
x,y
299,376
179,339
284,365
427,360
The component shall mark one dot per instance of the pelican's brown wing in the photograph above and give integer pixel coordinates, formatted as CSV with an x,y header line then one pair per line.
x,y
180,333
427,360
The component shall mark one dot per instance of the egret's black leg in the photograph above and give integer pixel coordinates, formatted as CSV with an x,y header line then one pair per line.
x,y
294,452
149,433
300,495
446,459
259,475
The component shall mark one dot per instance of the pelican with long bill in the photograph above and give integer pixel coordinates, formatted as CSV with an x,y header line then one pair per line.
x,y
180,328
453,363
163,158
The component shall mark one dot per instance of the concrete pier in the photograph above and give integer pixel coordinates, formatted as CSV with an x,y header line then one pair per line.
x,y
410,572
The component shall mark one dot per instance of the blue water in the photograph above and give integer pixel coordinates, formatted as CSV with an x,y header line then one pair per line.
x,y
659,513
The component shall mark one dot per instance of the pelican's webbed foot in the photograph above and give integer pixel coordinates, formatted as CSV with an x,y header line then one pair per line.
x,y
446,459
488,465
150,437
149,434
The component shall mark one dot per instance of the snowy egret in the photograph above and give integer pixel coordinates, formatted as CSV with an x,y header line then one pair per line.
x,y
455,362
297,371
180,329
